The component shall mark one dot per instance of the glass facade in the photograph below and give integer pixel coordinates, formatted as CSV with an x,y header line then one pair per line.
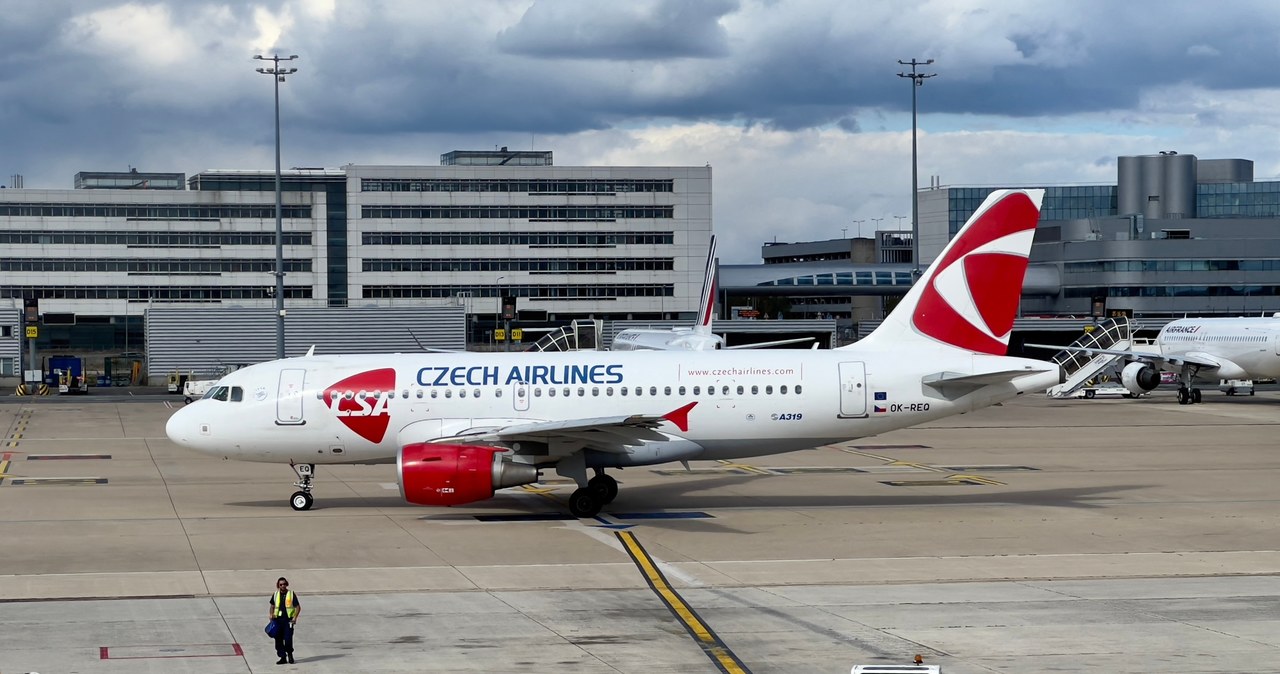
x,y
1238,200
144,293
848,278
151,239
533,239
1075,202
1096,266
151,211
1226,290
530,213
526,186
593,291
531,265
149,267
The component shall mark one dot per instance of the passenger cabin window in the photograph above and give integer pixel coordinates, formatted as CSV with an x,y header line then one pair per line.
x,y
797,389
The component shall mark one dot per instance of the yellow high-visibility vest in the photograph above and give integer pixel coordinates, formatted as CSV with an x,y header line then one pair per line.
x,y
289,606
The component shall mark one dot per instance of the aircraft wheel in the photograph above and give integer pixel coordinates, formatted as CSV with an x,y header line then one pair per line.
x,y
584,503
301,500
1184,397
604,487
1195,396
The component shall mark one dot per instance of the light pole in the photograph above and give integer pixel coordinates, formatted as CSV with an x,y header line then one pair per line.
x,y
876,223
917,81
277,76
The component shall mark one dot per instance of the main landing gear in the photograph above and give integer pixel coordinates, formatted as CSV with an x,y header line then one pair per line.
x,y
1188,396
599,492
302,500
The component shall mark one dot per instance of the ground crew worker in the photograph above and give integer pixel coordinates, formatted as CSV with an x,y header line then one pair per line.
x,y
284,613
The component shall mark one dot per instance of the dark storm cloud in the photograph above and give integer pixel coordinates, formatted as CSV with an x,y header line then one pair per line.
x,y
644,31
90,88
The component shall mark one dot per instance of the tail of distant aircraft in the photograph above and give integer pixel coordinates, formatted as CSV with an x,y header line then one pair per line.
x,y
707,308
968,298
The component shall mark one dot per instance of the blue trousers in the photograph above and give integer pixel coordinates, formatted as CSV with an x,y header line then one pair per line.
x,y
284,637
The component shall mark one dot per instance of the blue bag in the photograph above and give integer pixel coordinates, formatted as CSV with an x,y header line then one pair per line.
x,y
270,629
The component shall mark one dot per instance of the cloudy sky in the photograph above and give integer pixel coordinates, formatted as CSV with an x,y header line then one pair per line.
x,y
796,104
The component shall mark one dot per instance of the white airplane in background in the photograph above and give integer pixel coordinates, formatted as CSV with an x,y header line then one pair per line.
x,y
460,425
697,338
1207,349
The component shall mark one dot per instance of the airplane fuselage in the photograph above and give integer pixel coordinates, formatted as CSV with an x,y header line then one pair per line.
x,y
1248,348
362,409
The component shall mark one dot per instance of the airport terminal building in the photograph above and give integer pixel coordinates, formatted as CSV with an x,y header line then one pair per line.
x,y
569,242
1175,236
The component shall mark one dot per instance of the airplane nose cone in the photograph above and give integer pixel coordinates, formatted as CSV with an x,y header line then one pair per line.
x,y
179,428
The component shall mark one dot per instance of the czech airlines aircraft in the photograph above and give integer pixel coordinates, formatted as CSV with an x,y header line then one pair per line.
x,y
1201,349
460,425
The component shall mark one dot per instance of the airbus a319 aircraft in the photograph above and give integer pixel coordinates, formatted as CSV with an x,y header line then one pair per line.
x,y
458,426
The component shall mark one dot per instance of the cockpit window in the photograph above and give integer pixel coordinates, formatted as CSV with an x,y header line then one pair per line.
x,y
234,394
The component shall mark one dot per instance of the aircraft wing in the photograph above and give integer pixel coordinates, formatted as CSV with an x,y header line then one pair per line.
x,y
604,434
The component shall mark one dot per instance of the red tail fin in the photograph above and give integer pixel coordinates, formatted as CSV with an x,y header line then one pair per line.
x,y
969,296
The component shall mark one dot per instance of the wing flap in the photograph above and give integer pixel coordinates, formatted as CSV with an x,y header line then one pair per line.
x,y
605,434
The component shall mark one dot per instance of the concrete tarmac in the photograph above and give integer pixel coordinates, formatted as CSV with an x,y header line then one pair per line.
x,y
1041,535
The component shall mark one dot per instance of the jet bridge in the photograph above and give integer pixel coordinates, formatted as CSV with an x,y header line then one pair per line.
x,y
1079,367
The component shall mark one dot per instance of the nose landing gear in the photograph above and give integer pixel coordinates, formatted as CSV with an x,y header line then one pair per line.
x,y
302,500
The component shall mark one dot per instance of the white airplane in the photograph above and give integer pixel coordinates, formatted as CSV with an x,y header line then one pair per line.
x,y
1207,349
697,338
458,426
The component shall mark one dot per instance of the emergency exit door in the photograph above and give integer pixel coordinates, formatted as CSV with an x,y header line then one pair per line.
x,y
853,389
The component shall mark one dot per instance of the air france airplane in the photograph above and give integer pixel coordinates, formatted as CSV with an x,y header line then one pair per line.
x,y
459,426
1202,349
697,338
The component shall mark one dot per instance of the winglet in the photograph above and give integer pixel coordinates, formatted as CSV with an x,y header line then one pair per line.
x,y
311,351
680,417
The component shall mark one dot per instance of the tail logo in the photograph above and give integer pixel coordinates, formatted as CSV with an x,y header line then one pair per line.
x,y
360,402
971,297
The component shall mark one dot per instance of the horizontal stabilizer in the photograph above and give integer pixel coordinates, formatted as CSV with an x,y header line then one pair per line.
x,y
956,383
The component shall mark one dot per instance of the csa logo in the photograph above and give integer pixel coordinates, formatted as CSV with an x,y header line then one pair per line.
x,y
365,411
971,300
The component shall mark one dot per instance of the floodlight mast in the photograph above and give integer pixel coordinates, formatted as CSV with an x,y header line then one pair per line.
x,y
917,80
277,76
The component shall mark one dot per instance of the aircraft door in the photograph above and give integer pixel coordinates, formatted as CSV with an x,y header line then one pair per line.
x,y
520,396
853,389
289,397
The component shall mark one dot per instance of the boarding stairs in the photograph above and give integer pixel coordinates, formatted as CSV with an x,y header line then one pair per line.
x,y
1079,367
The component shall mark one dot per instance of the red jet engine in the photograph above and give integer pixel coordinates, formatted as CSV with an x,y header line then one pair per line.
x,y
448,475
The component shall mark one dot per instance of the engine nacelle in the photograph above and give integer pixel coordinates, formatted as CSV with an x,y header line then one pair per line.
x,y
1139,377
446,475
